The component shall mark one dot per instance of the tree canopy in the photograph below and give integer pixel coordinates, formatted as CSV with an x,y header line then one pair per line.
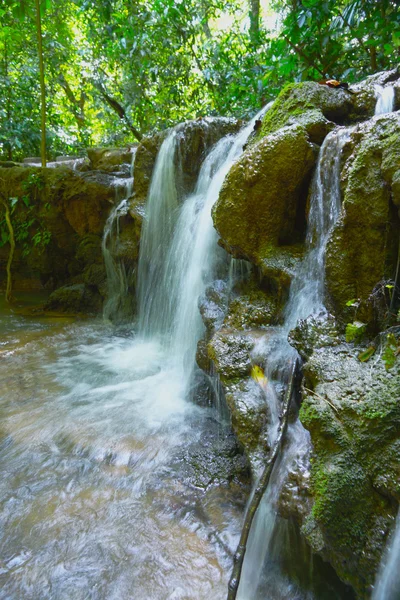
x,y
116,69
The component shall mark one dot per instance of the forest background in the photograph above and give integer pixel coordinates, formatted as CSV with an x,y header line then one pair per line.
x,y
117,69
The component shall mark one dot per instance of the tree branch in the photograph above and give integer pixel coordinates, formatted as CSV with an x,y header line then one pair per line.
x,y
260,490
118,108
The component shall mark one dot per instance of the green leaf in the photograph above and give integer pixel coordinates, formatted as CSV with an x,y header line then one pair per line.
x,y
366,355
354,331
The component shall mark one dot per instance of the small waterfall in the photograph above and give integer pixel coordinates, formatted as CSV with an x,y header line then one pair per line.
x,y
115,305
161,214
388,581
179,253
385,99
306,297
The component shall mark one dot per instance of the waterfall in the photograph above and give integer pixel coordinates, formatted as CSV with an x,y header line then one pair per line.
x,y
385,99
179,254
388,581
117,278
306,297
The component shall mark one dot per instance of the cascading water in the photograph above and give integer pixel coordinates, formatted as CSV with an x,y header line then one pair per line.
x,y
306,298
117,277
179,251
98,455
385,99
388,583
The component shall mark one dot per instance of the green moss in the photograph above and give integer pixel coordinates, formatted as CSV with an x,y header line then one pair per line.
x,y
286,105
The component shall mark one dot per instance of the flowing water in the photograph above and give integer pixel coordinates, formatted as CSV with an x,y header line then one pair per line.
x,y
385,99
306,298
388,584
100,443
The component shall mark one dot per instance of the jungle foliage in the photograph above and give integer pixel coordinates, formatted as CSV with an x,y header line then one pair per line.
x,y
116,69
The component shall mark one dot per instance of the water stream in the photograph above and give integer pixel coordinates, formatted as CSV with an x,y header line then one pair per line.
x,y
385,99
98,430
306,298
115,307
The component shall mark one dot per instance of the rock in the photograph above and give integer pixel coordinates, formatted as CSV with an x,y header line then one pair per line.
x,y
362,249
249,418
248,311
230,353
317,331
262,200
109,160
215,459
311,105
352,411
74,299
194,139
213,305
365,93
58,226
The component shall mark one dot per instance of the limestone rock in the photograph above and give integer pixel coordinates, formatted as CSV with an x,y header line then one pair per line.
x,y
74,299
362,249
259,203
109,159
352,411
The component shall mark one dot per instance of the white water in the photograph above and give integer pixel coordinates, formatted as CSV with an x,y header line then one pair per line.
x,y
388,581
115,306
306,298
179,253
385,99
92,485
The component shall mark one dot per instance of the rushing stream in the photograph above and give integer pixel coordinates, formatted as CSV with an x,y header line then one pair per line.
x,y
100,439
97,429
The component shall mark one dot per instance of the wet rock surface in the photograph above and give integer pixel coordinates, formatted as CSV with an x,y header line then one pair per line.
x,y
259,203
352,412
363,246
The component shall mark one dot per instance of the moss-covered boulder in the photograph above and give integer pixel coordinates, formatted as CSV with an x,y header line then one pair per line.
x,y
74,299
109,160
363,247
58,218
262,202
352,412
314,106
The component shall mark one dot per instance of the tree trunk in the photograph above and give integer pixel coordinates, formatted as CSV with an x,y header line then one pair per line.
x,y
9,297
254,21
42,85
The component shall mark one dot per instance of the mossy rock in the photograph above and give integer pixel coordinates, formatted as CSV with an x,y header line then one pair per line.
x,y
263,197
74,299
352,412
109,159
310,104
362,249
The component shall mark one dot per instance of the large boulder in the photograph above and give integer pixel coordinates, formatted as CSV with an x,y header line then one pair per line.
x,y
262,202
56,212
109,160
363,246
352,412
315,104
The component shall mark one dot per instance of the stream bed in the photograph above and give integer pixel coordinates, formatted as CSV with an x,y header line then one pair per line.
x,y
98,454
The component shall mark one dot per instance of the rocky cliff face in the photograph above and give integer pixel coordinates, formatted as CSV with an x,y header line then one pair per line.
x,y
346,494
